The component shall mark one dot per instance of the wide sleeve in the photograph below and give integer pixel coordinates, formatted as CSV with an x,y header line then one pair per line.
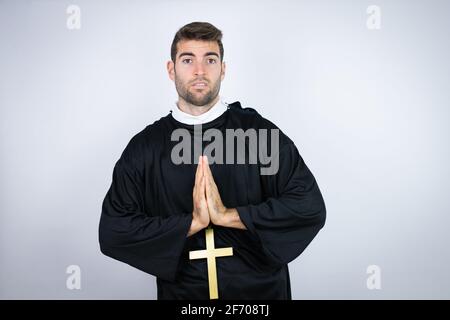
x,y
293,211
152,244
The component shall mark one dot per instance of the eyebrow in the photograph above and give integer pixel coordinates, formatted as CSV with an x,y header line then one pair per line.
x,y
211,53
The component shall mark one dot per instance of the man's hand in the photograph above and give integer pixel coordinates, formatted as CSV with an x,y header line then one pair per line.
x,y
200,215
219,214
208,206
215,206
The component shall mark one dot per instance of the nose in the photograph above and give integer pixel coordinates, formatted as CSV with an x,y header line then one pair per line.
x,y
199,69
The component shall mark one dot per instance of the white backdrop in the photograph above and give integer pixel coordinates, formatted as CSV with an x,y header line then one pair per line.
x,y
367,108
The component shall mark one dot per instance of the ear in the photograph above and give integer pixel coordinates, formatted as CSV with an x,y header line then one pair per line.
x,y
171,69
222,76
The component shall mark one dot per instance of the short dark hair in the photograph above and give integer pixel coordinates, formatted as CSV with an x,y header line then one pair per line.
x,y
197,31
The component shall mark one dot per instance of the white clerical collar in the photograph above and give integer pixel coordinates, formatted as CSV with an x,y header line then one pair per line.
x,y
216,111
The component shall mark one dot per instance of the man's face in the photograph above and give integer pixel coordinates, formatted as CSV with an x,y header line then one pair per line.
x,y
197,71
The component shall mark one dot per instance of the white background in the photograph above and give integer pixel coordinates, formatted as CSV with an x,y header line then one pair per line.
x,y
367,109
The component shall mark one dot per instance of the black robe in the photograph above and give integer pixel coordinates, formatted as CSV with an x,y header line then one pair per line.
x,y
147,213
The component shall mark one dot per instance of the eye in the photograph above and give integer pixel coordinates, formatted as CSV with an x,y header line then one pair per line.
x,y
187,60
212,61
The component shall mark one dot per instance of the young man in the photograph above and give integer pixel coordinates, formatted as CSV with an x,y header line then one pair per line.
x,y
223,225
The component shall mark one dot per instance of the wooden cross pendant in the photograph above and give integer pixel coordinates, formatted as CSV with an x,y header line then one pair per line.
x,y
211,253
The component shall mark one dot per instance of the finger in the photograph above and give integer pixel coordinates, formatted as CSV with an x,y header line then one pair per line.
x,y
211,195
211,181
206,168
202,188
204,164
208,175
212,191
198,177
199,172
207,186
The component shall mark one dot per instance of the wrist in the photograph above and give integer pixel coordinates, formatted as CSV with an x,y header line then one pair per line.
x,y
224,217
231,219
199,224
196,226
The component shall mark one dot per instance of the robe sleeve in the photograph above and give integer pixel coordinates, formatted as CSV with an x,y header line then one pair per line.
x,y
152,244
293,211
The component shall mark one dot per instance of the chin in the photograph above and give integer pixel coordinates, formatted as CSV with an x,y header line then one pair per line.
x,y
201,101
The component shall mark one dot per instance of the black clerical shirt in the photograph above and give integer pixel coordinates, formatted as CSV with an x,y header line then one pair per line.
x,y
147,213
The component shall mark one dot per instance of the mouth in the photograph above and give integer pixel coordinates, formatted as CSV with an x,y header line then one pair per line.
x,y
199,85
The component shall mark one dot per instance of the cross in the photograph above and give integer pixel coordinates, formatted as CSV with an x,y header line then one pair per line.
x,y
211,254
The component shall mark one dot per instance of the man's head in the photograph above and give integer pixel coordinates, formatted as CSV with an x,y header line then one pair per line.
x,y
197,66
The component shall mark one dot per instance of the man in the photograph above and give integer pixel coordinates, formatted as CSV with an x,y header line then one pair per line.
x,y
161,214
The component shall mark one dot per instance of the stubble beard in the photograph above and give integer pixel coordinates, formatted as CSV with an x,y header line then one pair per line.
x,y
191,98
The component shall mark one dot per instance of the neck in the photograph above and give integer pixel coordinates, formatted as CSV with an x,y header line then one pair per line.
x,y
193,109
